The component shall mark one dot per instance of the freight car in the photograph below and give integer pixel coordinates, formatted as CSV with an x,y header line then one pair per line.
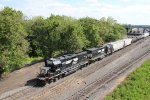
x,y
146,34
138,35
135,35
120,44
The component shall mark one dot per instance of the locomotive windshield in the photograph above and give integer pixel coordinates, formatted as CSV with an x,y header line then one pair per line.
x,y
48,63
43,71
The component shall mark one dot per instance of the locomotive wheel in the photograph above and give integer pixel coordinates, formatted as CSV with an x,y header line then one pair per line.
x,y
50,81
63,75
54,80
59,76
81,67
86,64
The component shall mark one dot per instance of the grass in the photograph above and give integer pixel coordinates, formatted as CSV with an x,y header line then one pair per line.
x,y
31,59
26,62
135,87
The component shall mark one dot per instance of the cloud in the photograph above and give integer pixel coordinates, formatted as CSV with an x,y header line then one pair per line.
x,y
93,8
1,6
4,0
91,1
124,0
46,7
134,12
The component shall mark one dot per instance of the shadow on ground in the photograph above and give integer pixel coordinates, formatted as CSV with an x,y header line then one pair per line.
x,y
35,83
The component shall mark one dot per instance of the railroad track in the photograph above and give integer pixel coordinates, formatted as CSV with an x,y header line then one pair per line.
x,y
51,90
92,87
11,96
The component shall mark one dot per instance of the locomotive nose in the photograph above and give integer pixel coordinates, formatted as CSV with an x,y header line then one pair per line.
x,y
44,70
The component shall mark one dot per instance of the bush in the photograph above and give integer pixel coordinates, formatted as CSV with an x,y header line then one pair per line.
x,y
136,87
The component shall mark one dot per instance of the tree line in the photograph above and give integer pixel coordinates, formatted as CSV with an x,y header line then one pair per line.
x,y
22,38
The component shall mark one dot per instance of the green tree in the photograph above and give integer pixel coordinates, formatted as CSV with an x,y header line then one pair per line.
x,y
36,28
72,38
110,30
91,31
56,35
45,35
13,45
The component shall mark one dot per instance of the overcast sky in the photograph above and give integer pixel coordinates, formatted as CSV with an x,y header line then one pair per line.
x,y
124,11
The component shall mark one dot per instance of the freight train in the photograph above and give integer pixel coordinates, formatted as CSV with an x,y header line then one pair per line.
x,y
56,68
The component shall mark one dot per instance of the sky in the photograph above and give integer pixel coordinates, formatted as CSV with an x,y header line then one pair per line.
x,y
135,12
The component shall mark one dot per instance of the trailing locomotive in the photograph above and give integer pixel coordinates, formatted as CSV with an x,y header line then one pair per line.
x,y
56,68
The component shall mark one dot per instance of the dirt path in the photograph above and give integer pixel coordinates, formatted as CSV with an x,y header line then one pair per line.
x,y
68,87
19,78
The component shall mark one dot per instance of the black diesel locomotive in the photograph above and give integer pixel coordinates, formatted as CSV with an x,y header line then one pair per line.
x,y
56,68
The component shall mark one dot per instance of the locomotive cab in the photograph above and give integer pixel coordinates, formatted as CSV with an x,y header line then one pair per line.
x,y
52,66
44,71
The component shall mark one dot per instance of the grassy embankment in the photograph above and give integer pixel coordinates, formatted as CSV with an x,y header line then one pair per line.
x,y
135,87
27,61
